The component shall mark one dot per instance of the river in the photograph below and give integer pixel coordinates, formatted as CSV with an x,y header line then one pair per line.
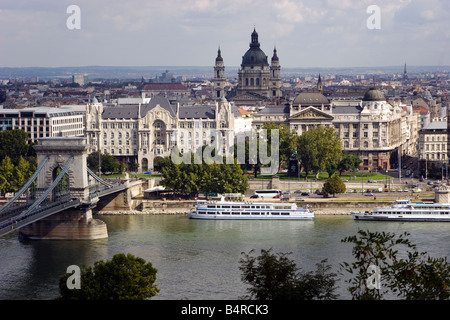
x,y
197,259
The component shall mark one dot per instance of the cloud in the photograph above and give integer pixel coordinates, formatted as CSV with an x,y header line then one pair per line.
x,y
187,32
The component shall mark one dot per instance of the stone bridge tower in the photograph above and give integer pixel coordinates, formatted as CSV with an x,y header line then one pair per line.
x,y
65,157
57,152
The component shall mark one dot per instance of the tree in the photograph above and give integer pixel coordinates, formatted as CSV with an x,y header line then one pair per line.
x,y
189,179
108,163
287,140
348,162
276,277
7,175
417,276
124,277
334,185
318,149
14,144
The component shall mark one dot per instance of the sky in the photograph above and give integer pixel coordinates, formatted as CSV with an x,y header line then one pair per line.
x,y
314,33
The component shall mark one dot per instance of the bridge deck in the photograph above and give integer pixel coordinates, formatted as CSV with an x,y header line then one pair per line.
x,y
12,220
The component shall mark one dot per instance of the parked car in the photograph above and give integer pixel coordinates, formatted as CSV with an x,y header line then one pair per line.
x,y
370,194
298,191
285,199
371,181
299,199
277,196
305,193
255,196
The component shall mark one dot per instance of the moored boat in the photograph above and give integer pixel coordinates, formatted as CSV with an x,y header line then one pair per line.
x,y
249,211
404,210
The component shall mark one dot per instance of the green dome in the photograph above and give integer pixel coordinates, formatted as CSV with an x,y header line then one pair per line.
x,y
374,95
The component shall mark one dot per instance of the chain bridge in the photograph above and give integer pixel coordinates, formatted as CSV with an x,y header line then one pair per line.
x,y
57,201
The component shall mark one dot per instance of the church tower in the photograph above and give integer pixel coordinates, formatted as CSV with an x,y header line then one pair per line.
x,y
319,84
219,77
275,76
405,75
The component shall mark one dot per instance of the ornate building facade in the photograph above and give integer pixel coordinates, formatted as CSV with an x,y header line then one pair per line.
x,y
140,134
370,128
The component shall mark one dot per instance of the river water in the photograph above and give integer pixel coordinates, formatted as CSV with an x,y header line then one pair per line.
x,y
197,260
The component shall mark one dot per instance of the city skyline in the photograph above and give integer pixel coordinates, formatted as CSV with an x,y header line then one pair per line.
x,y
328,33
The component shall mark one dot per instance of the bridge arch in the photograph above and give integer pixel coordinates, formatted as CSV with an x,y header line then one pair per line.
x,y
62,189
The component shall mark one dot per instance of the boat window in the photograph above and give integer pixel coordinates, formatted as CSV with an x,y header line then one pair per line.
x,y
255,213
226,207
202,212
257,207
235,212
211,212
285,213
275,213
245,212
225,212
211,206
236,207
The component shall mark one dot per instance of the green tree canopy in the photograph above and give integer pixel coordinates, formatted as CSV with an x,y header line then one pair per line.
x,y
124,277
14,144
334,185
189,179
348,162
317,148
402,270
276,277
109,164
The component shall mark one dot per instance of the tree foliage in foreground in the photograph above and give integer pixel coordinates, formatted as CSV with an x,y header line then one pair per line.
x,y
403,271
124,277
275,277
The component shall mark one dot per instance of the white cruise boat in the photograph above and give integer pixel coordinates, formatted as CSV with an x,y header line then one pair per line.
x,y
249,211
404,210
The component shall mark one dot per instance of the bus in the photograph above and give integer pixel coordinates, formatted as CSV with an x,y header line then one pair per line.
x,y
270,193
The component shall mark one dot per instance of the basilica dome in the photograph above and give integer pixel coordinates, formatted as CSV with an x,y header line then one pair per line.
x,y
254,55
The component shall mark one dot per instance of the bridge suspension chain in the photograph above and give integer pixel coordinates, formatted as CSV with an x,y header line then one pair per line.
x,y
50,189
98,178
25,186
